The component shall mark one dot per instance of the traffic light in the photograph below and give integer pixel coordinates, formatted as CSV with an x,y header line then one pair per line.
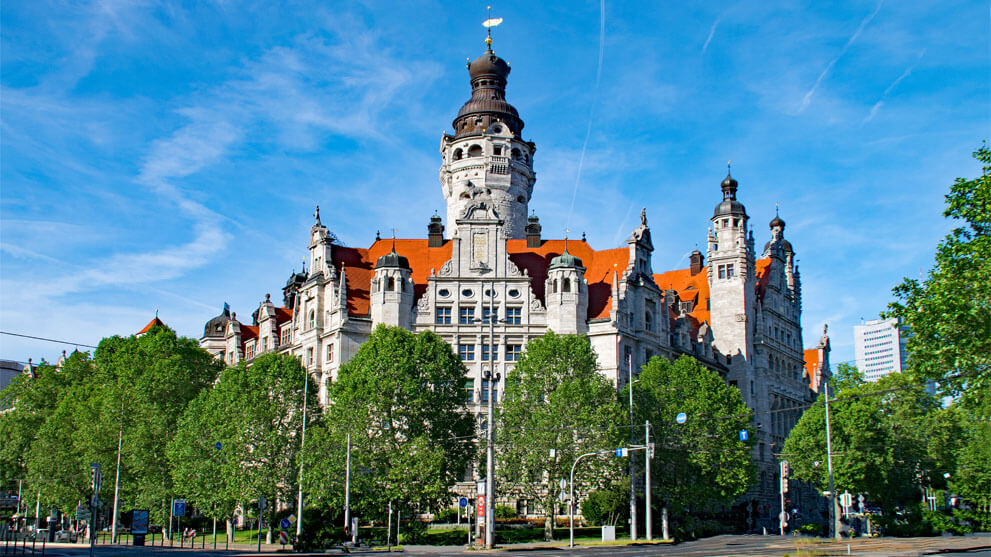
x,y
784,476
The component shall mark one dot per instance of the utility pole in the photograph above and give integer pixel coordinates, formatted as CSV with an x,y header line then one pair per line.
x,y
648,454
835,519
490,437
120,439
633,487
347,494
783,517
302,444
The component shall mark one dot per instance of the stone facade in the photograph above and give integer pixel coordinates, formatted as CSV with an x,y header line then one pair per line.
x,y
495,284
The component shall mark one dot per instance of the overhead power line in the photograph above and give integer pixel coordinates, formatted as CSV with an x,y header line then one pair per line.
x,y
66,342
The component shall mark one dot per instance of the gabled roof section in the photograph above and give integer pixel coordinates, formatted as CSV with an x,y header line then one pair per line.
x,y
282,315
599,268
249,332
358,265
694,288
156,322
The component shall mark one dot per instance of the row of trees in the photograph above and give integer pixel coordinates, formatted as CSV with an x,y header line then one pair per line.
x,y
223,437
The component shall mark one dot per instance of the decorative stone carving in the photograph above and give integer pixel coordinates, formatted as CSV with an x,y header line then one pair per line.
x,y
535,304
448,269
511,269
423,306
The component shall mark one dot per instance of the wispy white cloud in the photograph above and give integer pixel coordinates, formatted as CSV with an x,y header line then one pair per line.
x,y
880,101
808,96
712,33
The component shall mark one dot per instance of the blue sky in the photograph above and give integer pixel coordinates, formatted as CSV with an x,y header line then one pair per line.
x,y
168,155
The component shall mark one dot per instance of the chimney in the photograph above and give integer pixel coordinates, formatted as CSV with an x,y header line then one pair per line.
x,y
435,232
533,232
697,261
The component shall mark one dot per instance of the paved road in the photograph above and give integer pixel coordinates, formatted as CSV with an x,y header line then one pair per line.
x,y
718,546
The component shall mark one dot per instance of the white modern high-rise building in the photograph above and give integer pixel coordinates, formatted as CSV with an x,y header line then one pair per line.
x,y
880,348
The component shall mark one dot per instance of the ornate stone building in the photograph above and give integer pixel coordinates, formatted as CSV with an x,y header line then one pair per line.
x,y
495,283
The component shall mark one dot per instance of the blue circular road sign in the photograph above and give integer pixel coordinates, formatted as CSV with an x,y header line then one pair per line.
x,y
218,445
463,502
284,523
681,418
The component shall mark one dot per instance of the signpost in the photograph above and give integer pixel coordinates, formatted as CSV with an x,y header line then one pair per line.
x,y
96,482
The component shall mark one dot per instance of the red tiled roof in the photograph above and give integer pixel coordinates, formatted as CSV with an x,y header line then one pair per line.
x,y
599,268
812,364
689,288
282,315
156,322
763,265
248,332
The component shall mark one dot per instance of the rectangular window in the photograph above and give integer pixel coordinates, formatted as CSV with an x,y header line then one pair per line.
x,y
285,334
467,352
309,357
469,391
513,352
485,392
250,352
443,316
485,314
466,315
513,315
722,271
729,271
485,352
330,353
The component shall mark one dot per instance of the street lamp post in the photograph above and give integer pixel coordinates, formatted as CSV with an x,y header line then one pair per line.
x,y
347,494
829,464
120,439
302,444
633,488
493,378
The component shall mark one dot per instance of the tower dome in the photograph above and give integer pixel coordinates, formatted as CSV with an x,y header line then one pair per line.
x,y
729,206
487,105
565,260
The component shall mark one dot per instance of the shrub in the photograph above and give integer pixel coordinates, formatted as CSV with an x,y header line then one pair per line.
x,y
413,532
449,515
505,511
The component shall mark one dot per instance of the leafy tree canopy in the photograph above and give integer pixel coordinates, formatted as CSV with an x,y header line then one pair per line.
x,y
888,439
949,313
402,399
556,399
701,463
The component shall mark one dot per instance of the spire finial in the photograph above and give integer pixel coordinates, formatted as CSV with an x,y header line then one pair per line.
x,y
378,236
566,230
643,217
776,210
727,167
489,23
393,240
316,214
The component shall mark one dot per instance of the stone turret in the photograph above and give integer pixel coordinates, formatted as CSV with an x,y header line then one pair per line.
x,y
566,294
392,291
487,160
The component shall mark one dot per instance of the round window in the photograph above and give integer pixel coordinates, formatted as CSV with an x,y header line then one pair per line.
x,y
497,129
466,293
443,293
488,293
514,293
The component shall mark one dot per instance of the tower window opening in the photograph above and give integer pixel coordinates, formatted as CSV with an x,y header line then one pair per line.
x,y
520,199
465,195
515,153
458,153
566,285
475,151
390,284
497,149
554,287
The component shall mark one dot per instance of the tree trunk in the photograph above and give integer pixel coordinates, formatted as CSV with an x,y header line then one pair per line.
x,y
549,520
230,530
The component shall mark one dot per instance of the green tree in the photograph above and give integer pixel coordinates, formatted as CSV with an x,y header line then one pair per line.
x,y
255,411
402,399
700,464
949,313
556,399
972,478
608,505
889,438
846,376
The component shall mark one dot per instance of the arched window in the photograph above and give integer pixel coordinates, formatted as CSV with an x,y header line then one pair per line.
x,y
458,153
566,285
649,321
390,284
515,153
554,287
313,319
475,151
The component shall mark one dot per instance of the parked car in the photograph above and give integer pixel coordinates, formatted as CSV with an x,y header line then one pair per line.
x,y
65,536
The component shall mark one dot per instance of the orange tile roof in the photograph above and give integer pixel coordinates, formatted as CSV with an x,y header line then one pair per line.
x,y
812,364
689,288
763,265
599,268
248,332
156,322
282,315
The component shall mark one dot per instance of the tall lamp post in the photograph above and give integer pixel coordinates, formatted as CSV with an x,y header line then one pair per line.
x,y
120,439
302,444
492,377
829,463
633,488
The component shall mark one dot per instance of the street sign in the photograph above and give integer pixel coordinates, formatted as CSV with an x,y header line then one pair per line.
x,y
744,435
463,502
82,512
283,537
563,483
218,445
622,451
681,418
94,500
846,499
481,486
284,523
480,506
650,450
262,503
179,507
